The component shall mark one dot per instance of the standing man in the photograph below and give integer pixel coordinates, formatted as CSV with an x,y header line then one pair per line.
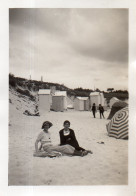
x,y
94,109
101,110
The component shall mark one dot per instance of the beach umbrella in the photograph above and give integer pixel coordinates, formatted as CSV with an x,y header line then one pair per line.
x,y
118,125
116,107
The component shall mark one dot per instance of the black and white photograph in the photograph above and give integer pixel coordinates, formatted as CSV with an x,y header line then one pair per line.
x,y
68,96
68,108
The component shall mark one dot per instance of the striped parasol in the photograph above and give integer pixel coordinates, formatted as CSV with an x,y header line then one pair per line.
x,y
118,125
116,107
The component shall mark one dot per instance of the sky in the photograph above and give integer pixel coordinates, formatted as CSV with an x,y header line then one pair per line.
x,y
82,47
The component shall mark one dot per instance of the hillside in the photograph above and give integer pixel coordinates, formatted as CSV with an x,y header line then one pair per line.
x,y
34,86
23,101
31,87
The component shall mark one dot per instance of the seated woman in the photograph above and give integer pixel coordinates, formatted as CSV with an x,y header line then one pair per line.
x,y
67,136
48,149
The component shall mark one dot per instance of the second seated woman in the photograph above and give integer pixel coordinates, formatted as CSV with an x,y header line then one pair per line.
x,y
67,136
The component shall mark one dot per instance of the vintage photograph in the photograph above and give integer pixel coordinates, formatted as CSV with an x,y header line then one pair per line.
x,y
68,96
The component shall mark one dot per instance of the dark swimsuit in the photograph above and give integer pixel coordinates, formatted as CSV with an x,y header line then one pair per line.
x,y
69,139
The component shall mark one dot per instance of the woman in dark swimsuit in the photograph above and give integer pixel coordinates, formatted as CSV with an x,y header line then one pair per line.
x,y
67,136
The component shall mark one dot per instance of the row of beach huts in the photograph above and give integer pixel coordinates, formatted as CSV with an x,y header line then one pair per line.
x,y
51,99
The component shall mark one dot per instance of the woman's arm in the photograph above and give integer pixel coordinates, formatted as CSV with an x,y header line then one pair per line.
x,y
36,145
40,147
74,138
40,136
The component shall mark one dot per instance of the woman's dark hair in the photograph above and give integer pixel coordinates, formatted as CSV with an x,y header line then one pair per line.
x,y
47,123
66,121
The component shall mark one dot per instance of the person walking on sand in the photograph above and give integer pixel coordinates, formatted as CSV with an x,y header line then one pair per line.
x,y
94,109
49,150
101,110
67,136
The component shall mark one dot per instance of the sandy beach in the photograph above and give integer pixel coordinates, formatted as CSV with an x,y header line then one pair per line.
x,y
108,165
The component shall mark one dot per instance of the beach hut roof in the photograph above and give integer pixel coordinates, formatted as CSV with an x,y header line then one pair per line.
x,y
94,93
82,98
58,96
44,91
115,98
61,93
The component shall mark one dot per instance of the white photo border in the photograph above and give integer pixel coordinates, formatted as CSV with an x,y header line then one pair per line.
x,y
5,190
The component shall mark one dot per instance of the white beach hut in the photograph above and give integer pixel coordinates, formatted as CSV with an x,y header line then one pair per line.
x,y
64,94
105,106
97,98
44,100
59,101
102,99
81,103
113,100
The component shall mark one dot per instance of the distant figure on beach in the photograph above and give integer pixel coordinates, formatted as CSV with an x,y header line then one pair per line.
x,y
48,149
67,136
94,109
101,110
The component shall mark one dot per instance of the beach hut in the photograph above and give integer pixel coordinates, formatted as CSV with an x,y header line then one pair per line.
x,y
112,101
116,107
52,93
59,101
102,99
44,100
64,94
118,125
86,104
97,98
81,103
105,106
